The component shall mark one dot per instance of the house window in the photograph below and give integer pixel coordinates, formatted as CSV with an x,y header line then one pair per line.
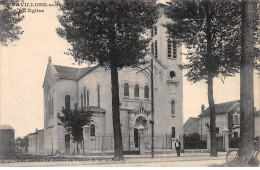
x,y
156,52
67,101
146,92
136,90
217,130
126,89
152,32
98,95
173,132
92,130
235,119
235,134
173,108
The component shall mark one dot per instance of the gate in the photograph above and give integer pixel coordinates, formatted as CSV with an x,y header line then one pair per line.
x,y
219,141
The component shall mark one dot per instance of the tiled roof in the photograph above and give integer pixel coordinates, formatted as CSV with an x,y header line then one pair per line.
x,y
193,119
220,108
6,127
72,73
96,109
33,133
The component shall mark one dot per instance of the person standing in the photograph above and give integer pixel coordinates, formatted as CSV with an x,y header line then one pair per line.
x,y
178,147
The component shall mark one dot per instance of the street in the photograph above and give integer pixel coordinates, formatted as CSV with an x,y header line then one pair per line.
x,y
160,160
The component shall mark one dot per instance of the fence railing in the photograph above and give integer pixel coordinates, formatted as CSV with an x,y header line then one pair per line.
x,y
104,142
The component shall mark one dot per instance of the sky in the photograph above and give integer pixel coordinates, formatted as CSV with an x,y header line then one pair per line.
x,y
23,65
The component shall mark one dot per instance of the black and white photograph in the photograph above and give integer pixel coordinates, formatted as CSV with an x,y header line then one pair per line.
x,y
129,83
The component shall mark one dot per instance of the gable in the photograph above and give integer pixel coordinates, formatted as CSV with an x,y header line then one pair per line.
x,y
72,73
49,75
221,108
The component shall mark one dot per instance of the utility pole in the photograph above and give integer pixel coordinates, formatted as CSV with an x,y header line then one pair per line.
x,y
152,103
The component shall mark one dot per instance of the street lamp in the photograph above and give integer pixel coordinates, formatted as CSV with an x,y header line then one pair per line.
x,y
152,104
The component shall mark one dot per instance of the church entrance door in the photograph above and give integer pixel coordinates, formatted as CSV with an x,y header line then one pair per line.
x,y
67,144
136,137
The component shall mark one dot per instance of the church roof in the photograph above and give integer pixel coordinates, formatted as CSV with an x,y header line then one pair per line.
x,y
72,73
220,108
33,133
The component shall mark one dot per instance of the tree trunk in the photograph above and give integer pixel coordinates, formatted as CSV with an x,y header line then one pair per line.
x,y
246,81
213,147
211,70
118,145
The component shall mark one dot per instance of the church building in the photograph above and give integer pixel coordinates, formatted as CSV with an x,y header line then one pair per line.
x,y
90,87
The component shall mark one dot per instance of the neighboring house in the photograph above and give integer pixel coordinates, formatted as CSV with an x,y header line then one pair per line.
x,y
36,142
227,116
7,145
191,126
90,87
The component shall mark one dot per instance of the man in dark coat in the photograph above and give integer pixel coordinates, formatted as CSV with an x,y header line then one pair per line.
x,y
178,148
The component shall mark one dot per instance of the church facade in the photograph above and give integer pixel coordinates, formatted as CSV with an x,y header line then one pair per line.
x,y
90,87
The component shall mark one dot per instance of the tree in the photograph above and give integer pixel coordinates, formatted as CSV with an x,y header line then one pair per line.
x,y
248,29
211,31
110,33
9,19
73,120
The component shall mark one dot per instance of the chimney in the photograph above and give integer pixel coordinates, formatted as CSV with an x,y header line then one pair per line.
x,y
202,108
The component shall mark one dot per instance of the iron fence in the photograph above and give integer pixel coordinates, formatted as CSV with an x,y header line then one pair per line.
x,y
104,142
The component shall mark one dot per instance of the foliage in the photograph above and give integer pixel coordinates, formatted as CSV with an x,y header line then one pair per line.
x,y
22,142
190,27
112,34
211,31
193,141
9,19
100,32
73,120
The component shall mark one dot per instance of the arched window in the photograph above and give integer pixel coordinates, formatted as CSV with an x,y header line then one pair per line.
x,y
137,90
98,95
126,89
155,49
52,110
173,132
92,130
81,100
67,101
169,48
174,50
84,96
173,108
146,92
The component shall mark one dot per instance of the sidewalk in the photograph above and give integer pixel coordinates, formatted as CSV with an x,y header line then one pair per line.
x,y
186,159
